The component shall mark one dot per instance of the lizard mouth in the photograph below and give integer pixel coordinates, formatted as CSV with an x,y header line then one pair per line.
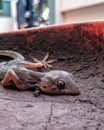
x,y
71,92
56,91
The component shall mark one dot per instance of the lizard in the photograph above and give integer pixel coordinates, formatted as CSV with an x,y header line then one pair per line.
x,y
20,73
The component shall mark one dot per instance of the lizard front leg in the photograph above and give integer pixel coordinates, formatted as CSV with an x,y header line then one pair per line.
x,y
11,79
31,65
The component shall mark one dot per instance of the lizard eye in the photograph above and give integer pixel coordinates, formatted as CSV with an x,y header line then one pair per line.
x,y
60,84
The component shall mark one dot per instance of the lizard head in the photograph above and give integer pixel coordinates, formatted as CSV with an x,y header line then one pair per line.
x,y
58,82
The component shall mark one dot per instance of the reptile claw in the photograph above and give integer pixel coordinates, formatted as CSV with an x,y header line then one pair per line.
x,y
46,57
45,63
37,92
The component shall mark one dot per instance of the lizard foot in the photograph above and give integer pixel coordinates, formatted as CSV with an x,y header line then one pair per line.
x,y
37,92
45,63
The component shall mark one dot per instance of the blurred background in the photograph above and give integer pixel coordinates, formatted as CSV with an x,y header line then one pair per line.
x,y
21,14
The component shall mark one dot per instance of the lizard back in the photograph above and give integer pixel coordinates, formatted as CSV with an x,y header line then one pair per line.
x,y
17,61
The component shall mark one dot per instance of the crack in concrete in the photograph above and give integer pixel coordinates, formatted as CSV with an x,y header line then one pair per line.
x,y
50,117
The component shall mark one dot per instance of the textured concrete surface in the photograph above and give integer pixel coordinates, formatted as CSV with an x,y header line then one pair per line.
x,y
22,111
79,49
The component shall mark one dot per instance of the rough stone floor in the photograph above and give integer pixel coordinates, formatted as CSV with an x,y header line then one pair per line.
x,y
20,110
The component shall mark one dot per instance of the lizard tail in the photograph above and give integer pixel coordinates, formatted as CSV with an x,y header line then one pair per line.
x,y
12,54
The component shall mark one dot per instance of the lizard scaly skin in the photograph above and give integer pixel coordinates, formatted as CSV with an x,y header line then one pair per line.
x,y
19,73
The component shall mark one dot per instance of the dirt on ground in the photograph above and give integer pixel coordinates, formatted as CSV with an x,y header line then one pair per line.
x,y
20,110
77,48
